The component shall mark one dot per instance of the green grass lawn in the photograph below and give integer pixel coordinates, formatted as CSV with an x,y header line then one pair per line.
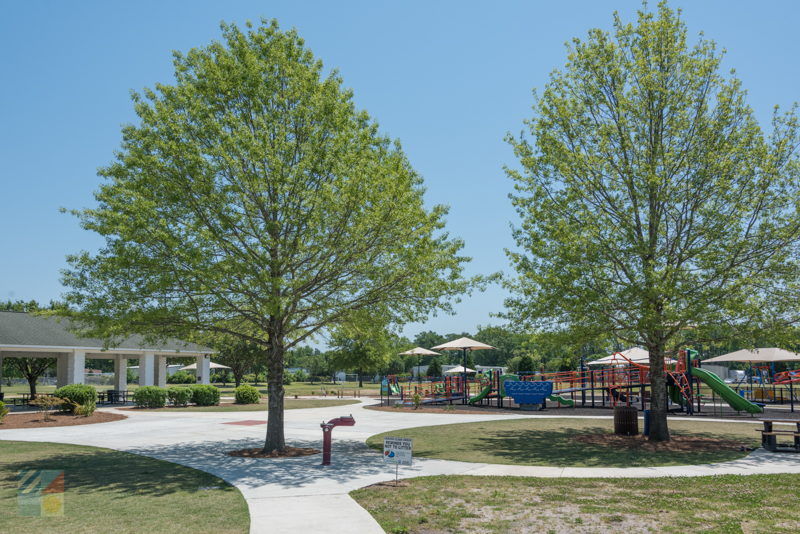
x,y
288,404
110,491
466,504
552,442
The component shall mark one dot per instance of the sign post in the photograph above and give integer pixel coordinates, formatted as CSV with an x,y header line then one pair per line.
x,y
397,451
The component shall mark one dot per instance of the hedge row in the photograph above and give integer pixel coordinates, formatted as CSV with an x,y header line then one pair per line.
x,y
156,397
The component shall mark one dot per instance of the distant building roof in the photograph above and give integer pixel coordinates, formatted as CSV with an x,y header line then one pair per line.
x,y
26,332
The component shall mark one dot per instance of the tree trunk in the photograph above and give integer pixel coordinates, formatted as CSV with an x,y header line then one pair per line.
x,y
360,379
237,378
659,431
275,439
32,385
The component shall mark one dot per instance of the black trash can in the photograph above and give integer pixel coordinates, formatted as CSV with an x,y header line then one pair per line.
x,y
626,420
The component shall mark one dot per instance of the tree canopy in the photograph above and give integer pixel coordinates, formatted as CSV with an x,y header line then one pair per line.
x,y
650,198
253,199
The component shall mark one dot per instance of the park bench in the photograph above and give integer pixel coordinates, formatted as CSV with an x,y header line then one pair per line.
x,y
769,435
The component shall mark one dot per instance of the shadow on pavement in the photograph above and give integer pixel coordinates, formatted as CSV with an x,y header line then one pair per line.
x,y
350,460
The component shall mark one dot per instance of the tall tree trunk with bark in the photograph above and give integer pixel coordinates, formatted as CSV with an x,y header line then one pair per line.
x,y
659,431
275,441
32,384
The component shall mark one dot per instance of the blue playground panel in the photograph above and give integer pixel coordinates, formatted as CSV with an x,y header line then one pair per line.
x,y
528,392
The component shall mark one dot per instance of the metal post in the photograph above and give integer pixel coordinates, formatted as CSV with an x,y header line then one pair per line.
x,y
791,395
583,379
464,376
689,406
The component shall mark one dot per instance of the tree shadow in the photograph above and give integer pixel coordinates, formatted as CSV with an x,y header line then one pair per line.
x,y
119,473
350,460
560,448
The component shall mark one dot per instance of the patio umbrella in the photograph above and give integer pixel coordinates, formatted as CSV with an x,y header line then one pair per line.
x,y
419,351
634,354
460,369
463,344
212,365
758,355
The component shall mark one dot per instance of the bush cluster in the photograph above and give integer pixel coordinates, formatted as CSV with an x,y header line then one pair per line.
x,y
81,399
150,397
204,395
181,377
246,394
3,411
179,396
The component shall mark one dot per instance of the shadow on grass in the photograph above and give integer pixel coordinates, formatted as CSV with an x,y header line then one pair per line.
x,y
118,473
559,448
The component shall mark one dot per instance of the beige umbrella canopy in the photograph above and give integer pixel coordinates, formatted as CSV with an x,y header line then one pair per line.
x,y
419,351
634,354
212,365
463,343
758,355
459,369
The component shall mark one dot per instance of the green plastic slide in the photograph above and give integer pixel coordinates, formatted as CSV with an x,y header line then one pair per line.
x,y
563,400
736,401
676,396
395,389
482,395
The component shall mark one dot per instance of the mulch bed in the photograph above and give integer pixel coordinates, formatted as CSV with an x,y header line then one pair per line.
x,y
289,452
36,420
677,443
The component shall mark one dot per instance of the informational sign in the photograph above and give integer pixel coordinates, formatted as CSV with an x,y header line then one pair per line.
x,y
397,451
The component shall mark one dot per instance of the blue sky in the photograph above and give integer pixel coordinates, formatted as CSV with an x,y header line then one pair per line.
x,y
448,79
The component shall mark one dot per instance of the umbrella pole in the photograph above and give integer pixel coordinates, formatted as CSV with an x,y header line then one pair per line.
x,y
464,379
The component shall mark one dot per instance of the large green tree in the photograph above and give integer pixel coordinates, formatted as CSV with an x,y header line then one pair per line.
x,y
650,198
253,199
31,369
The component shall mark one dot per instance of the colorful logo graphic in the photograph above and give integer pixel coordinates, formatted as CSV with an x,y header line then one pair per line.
x,y
388,454
40,493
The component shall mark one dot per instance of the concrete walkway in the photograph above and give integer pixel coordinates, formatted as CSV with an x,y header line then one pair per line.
x,y
298,494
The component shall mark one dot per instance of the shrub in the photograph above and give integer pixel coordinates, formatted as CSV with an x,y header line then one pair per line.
x,y
150,397
300,376
84,410
46,404
246,395
179,396
3,411
288,378
77,395
181,377
204,395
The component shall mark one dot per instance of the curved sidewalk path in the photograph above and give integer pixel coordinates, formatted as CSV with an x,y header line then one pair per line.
x,y
298,494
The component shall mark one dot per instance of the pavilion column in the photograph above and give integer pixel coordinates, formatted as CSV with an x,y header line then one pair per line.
x,y
160,371
204,369
121,373
147,369
61,370
76,365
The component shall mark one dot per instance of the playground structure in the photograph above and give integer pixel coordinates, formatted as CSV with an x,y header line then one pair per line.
x,y
690,388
